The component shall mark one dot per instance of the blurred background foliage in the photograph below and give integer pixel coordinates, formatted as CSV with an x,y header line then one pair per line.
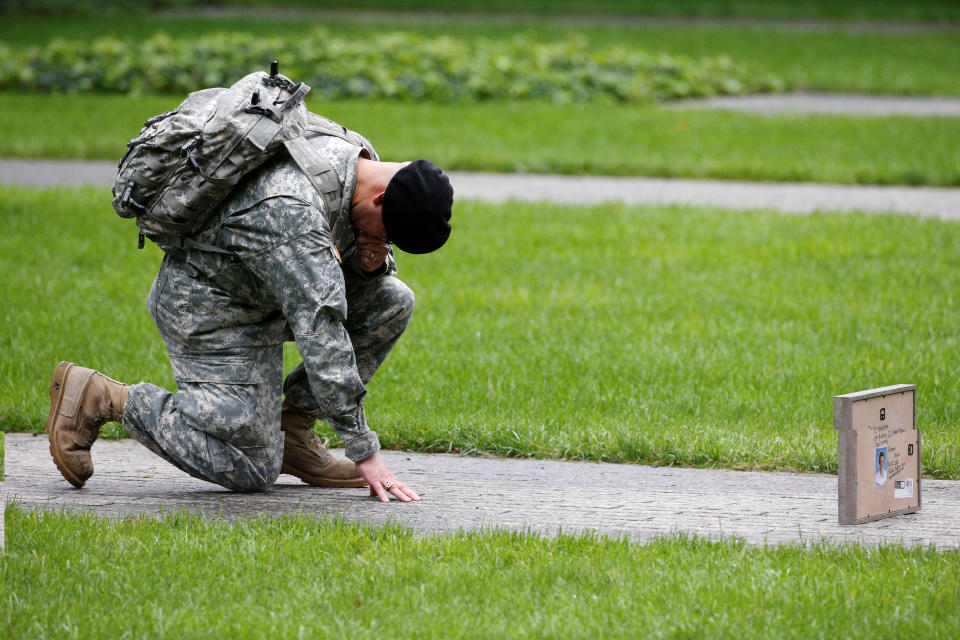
x,y
88,7
391,65
925,10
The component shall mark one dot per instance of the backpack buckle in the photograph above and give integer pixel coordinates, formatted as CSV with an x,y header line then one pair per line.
x,y
189,144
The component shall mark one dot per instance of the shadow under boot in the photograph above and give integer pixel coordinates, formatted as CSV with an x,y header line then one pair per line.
x,y
305,457
81,401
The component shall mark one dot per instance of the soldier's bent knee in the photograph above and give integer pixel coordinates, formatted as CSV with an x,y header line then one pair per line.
x,y
251,480
250,485
405,298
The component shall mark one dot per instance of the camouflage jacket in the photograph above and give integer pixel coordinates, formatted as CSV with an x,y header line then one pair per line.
x,y
284,281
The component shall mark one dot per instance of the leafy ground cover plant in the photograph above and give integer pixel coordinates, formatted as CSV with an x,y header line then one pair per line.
x,y
81,576
823,60
392,65
668,336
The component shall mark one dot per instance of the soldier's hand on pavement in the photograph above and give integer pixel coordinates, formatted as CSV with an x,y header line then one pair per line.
x,y
372,251
382,482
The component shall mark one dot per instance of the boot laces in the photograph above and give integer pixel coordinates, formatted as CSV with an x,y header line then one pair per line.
x,y
315,442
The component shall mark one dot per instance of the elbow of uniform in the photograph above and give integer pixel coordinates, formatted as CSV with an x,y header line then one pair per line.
x,y
314,321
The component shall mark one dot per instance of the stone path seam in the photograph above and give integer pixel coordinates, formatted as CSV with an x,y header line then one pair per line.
x,y
930,202
469,493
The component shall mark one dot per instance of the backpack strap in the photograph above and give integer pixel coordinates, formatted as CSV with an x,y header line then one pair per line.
x,y
180,242
319,171
325,180
327,127
319,124
174,240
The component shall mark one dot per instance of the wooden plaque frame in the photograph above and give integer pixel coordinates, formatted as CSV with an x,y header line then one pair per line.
x,y
878,462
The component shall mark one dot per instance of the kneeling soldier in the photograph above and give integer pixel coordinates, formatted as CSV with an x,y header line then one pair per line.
x,y
294,271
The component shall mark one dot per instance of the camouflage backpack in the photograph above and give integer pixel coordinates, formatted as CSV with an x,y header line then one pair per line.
x,y
185,162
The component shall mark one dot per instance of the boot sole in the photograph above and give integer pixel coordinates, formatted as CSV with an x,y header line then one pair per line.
x,y
317,481
56,396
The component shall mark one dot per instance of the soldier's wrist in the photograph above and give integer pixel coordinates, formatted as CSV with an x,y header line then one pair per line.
x,y
360,447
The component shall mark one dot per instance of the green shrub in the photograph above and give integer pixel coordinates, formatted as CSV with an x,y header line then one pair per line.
x,y
393,65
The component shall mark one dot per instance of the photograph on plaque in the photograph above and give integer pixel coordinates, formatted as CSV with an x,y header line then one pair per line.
x,y
878,461
881,466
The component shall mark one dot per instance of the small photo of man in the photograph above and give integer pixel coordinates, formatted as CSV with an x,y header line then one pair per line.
x,y
881,468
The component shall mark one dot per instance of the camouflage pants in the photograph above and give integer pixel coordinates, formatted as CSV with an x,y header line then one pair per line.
x,y
223,423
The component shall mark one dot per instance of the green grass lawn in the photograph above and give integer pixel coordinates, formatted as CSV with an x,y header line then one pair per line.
x,y
826,61
79,576
538,137
668,336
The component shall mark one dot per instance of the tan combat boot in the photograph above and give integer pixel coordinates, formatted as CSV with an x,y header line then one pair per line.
x,y
81,400
305,457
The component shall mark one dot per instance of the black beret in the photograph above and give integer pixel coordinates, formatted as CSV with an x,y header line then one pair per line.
x,y
416,207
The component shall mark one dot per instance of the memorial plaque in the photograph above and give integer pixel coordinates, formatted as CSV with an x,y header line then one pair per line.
x,y
878,463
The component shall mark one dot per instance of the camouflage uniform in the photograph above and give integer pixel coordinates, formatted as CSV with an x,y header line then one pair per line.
x,y
224,319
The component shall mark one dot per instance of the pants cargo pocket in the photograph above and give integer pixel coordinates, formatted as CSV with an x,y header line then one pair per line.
x,y
267,460
233,396
220,455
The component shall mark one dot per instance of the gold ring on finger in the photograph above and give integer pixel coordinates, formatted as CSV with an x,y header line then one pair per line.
x,y
388,484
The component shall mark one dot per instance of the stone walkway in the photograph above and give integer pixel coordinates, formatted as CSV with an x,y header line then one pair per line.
x,y
457,492
492,187
830,103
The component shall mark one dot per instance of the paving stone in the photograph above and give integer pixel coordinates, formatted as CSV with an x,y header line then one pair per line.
x,y
542,496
